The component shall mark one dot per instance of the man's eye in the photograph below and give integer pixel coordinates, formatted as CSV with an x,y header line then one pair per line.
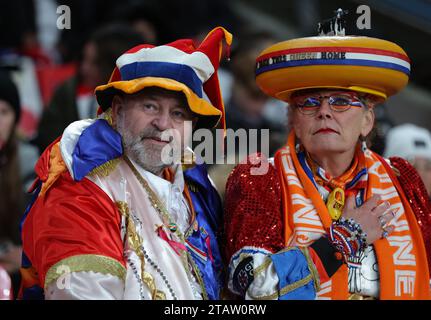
x,y
149,107
179,114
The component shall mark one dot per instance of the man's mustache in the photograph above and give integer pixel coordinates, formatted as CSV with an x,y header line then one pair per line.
x,y
150,133
154,134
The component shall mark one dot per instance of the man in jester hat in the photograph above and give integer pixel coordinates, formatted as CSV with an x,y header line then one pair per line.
x,y
330,219
110,217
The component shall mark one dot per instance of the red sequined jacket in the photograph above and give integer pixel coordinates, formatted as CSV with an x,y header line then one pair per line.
x,y
253,206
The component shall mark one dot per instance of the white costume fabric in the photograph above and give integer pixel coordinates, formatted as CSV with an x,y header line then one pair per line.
x,y
164,269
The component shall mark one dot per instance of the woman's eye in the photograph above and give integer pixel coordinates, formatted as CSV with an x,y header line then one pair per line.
x,y
340,101
311,102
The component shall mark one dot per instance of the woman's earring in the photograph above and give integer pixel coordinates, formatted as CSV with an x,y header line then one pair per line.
x,y
363,143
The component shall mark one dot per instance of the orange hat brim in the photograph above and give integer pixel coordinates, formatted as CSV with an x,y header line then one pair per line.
x,y
210,114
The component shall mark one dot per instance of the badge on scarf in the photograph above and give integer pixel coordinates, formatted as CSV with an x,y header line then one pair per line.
x,y
335,203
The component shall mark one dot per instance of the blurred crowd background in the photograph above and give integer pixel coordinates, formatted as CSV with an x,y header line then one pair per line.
x,y
48,75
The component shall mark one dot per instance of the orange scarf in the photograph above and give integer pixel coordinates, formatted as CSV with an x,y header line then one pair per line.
x,y
401,257
331,183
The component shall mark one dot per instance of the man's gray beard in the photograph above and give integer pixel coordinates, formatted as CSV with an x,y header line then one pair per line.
x,y
146,155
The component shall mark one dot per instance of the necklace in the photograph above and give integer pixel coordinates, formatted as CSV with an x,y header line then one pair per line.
x,y
170,224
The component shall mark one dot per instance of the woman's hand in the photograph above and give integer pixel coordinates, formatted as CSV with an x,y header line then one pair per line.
x,y
374,217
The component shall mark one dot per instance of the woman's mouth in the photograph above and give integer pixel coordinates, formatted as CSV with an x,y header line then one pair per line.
x,y
325,131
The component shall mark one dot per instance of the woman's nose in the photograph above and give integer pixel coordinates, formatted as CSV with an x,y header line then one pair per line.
x,y
325,109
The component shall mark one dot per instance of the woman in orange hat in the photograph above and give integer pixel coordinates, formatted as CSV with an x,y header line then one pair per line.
x,y
330,219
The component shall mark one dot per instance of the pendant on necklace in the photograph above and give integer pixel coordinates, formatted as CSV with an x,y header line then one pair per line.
x,y
172,226
335,203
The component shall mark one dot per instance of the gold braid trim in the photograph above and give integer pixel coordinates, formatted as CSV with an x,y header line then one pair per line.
x,y
135,243
105,169
262,267
286,289
86,262
296,285
356,296
108,116
293,286
312,268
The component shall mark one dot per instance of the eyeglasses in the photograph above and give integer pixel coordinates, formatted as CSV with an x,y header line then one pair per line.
x,y
338,102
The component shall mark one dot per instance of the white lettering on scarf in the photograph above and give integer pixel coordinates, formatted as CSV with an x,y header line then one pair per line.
x,y
307,214
292,178
383,177
403,256
325,287
405,282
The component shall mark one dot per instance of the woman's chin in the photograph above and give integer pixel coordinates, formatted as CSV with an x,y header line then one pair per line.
x,y
326,149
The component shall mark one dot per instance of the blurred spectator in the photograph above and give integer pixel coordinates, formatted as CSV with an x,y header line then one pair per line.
x,y
146,19
86,18
193,18
412,143
23,17
74,99
247,103
11,192
17,25
382,124
19,53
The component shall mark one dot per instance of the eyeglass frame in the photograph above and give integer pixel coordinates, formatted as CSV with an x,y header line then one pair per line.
x,y
357,104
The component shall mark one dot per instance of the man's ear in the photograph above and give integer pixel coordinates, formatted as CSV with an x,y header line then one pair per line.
x,y
116,106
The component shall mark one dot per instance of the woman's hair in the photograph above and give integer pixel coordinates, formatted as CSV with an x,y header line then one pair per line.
x,y
11,208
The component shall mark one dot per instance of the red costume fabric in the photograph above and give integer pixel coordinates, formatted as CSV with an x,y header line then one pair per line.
x,y
255,211
417,195
74,218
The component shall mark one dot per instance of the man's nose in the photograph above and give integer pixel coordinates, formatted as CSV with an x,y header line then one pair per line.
x,y
325,109
162,121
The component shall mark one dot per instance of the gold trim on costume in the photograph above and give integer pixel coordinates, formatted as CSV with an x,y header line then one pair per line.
x,y
86,262
293,286
167,220
135,243
105,169
108,116
262,267
296,285
312,268
356,296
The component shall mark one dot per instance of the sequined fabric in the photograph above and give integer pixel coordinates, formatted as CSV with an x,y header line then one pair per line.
x,y
253,209
418,197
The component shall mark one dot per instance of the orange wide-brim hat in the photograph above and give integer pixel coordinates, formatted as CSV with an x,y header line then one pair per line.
x,y
362,64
